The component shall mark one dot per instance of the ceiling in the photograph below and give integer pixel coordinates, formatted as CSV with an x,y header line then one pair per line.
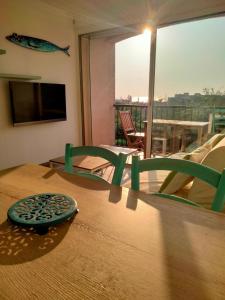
x,y
94,15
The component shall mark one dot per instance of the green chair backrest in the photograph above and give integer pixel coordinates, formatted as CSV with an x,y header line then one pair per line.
x,y
118,161
202,172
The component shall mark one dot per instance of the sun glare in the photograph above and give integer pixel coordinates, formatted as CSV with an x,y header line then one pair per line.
x,y
147,32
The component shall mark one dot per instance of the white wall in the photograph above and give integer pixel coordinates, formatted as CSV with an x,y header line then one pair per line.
x,y
37,143
102,69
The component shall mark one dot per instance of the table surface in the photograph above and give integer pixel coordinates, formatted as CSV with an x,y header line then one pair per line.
x,y
91,163
117,149
179,123
121,245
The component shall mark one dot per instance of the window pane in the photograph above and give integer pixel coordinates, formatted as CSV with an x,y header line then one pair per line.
x,y
190,83
132,67
132,57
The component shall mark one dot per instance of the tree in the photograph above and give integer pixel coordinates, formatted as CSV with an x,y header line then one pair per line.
x,y
212,92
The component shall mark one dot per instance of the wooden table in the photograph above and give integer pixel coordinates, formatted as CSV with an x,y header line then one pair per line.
x,y
201,127
121,245
90,163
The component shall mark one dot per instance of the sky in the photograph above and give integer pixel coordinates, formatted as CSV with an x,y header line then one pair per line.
x,y
189,58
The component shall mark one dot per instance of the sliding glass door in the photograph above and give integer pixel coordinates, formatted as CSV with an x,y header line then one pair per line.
x,y
132,58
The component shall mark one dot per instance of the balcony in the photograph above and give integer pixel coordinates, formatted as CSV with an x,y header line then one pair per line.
x,y
169,112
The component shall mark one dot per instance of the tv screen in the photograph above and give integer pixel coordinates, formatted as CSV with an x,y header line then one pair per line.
x,y
34,102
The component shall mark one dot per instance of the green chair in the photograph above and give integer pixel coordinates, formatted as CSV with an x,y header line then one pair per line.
x,y
118,161
202,172
218,119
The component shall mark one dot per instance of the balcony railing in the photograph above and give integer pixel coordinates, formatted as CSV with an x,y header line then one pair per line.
x,y
139,114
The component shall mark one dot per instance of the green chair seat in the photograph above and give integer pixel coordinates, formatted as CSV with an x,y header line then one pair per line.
x,y
91,176
177,198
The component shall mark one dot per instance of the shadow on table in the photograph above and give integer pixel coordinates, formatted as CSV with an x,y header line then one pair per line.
x,y
19,245
184,271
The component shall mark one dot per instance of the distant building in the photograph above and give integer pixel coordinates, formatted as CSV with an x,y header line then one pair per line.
x,y
184,99
197,99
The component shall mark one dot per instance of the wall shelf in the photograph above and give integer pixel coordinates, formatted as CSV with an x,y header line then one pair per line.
x,y
20,77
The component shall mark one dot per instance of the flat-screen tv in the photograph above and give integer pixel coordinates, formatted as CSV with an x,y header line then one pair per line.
x,y
34,102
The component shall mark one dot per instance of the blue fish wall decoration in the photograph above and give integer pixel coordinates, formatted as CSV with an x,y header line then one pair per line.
x,y
35,43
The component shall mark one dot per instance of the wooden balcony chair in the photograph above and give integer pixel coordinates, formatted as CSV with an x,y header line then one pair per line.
x,y
134,139
117,160
206,174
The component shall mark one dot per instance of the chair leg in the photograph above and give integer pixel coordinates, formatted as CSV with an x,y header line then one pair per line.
x,y
164,143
